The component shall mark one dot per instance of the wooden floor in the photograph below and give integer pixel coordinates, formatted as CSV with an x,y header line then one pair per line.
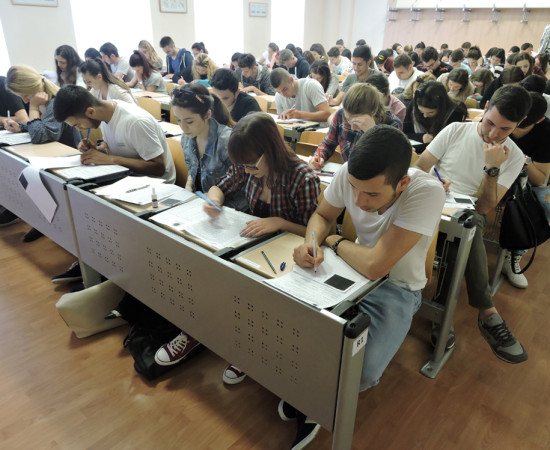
x,y
61,392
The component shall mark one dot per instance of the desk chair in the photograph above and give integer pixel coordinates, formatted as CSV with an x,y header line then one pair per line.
x,y
150,105
306,149
179,161
471,103
474,112
173,118
262,102
281,131
169,86
312,137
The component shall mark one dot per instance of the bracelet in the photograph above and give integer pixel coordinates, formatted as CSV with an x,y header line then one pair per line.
x,y
334,246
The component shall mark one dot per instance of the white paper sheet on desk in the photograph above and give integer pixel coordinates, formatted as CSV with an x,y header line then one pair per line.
x,y
47,162
219,232
143,196
310,287
90,172
127,184
34,187
459,201
287,121
9,138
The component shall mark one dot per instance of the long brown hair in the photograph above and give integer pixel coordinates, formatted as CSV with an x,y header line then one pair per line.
x,y
195,97
137,59
256,134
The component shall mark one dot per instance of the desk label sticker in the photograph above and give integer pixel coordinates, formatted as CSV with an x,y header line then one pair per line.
x,y
360,342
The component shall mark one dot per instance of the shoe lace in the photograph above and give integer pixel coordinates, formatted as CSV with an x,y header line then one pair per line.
x,y
502,333
177,344
515,264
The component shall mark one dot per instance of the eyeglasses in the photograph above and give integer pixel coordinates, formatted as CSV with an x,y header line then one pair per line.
x,y
255,166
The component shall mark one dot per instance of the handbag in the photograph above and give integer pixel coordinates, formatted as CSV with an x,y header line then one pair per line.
x,y
524,224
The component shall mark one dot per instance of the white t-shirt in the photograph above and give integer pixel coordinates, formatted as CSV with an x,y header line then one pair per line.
x,y
417,209
344,66
124,68
134,133
310,94
459,149
403,84
115,92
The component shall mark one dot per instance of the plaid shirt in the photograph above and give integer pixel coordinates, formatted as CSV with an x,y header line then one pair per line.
x,y
341,134
293,196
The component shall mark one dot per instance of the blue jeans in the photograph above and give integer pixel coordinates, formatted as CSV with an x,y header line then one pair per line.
x,y
391,309
541,192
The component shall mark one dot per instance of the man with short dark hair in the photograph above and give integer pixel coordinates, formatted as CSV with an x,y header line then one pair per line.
x,y
340,44
395,210
527,47
361,60
295,63
132,136
119,65
302,98
239,103
483,162
432,64
254,76
404,74
456,61
466,47
337,63
177,59
537,83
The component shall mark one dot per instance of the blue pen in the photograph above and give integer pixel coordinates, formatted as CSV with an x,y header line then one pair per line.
x,y
437,173
88,135
283,265
9,115
206,199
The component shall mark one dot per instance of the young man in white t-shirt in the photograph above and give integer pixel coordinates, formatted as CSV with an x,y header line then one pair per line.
x,y
338,64
302,98
119,66
132,136
404,74
479,159
395,211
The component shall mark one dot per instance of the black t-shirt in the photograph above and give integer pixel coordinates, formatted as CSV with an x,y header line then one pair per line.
x,y
243,105
535,143
8,101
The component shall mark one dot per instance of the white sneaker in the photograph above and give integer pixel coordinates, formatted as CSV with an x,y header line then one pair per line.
x,y
516,280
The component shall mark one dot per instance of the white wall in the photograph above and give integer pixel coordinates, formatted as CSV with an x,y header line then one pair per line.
x,y
32,33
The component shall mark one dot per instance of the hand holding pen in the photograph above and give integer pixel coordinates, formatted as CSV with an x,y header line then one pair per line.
x,y
446,183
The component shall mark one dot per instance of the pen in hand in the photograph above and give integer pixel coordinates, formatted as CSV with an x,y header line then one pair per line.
x,y
314,250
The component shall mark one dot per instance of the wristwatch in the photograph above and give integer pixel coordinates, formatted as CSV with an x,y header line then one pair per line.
x,y
492,171
334,246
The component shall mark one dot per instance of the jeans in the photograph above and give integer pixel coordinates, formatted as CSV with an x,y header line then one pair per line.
x,y
391,309
541,192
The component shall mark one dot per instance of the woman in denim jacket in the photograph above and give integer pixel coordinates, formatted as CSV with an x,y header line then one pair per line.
x,y
206,124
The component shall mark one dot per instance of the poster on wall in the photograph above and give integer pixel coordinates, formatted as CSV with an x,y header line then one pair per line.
x,y
53,3
173,6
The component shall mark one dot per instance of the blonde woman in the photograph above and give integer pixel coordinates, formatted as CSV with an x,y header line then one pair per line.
x,y
39,93
203,69
362,109
408,94
151,54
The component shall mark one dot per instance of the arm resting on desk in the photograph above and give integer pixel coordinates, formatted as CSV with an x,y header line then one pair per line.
x,y
321,115
154,167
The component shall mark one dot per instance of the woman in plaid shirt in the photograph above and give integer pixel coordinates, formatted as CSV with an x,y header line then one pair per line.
x,y
279,187
362,109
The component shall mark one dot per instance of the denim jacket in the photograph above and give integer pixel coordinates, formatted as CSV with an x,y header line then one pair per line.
x,y
214,162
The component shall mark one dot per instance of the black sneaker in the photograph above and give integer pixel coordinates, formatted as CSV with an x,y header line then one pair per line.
x,y
286,411
500,338
7,218
307,430
73,273
32,235
436,332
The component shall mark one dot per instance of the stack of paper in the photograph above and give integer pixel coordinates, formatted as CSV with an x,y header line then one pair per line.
x,y
9,138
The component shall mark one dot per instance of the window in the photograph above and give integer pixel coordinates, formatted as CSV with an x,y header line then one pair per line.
x,y
287,22
4,57
122,22
219,24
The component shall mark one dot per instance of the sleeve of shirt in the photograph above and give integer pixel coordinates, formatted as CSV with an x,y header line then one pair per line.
x,y
441,142
281,103
334,194
348,82
330,142
156,80
145,138
265,83
46,129
192,167
188,58
306,195
333,86
314,91
123,67
13,103
233,180
422,208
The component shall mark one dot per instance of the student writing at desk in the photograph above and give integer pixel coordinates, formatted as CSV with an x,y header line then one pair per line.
x,y
395,211
133,138
103,83
302,98
40,94
279,188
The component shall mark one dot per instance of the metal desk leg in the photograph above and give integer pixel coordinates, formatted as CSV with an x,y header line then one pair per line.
x,y
440,356
353,353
